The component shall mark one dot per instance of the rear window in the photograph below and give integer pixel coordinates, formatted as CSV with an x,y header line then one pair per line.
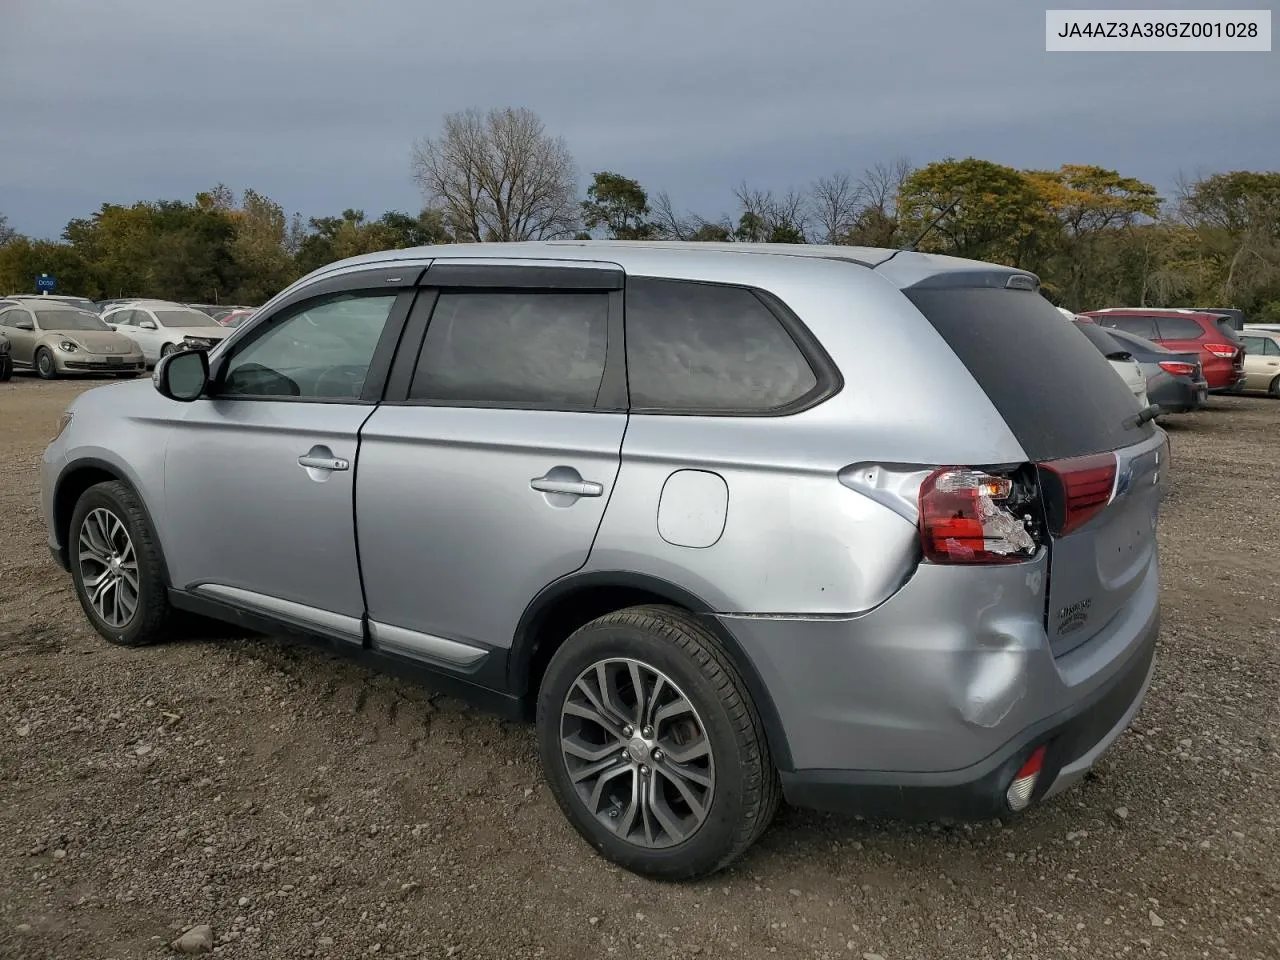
x,y
1058,394
1179,328
1105,342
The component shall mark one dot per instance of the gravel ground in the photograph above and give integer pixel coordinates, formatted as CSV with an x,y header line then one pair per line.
x,y
302,807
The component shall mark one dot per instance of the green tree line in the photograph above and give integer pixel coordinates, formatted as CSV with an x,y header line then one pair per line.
x,y
1095,236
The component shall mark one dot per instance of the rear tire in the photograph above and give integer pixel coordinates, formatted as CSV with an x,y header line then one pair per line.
x,y
682,797
45,367
1274,388
6,368
116,566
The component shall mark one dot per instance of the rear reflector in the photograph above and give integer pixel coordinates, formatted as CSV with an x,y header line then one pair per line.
x,y
966,517
1024,782
1177,368
1221,349
1077,490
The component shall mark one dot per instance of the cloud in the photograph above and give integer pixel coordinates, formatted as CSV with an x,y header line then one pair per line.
x,y
317,102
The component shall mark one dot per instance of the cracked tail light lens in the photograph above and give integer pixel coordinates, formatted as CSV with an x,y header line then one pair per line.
x,y
1018,796
967,516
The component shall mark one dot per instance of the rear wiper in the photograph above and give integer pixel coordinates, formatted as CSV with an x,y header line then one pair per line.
x,y
1145,415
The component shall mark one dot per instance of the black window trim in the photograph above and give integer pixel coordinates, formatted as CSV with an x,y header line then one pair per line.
x,y
380,281
828,379
611,397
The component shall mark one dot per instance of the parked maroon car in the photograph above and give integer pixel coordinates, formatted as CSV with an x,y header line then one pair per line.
x,y
1209,334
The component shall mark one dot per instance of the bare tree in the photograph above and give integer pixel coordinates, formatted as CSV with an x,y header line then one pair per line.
x,y
882,183
768,216
499,176
836,201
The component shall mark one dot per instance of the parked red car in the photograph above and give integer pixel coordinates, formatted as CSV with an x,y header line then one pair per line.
x,y
1211,335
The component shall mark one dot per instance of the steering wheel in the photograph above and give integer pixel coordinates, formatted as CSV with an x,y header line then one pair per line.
x,y
341,381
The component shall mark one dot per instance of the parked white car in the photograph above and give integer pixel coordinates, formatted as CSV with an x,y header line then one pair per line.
x,y
159,327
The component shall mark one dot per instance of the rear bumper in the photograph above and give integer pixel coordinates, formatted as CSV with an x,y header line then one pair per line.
x,y
1074,740
1179,394
928,704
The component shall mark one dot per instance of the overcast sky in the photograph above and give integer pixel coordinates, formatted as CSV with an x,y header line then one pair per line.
x,y
318,102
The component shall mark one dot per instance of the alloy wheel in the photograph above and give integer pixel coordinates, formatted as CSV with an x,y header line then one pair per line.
x,y
108,567
637,753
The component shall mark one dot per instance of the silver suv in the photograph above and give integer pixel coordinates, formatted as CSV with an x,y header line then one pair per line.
x,y
873,531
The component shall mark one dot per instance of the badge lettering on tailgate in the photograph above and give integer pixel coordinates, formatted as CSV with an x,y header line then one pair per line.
x,y
1073,616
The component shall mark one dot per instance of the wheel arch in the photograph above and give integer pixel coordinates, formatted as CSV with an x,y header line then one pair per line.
x,y
72,482
570,602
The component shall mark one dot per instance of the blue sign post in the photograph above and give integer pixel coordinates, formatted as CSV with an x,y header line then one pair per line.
x,y
46,283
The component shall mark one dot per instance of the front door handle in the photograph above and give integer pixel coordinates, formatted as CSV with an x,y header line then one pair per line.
x,y
323,463
575,488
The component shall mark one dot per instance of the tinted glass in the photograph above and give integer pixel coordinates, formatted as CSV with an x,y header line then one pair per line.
x,y
1057,393
184,318
703,347
1105,342
1178,328
540,349
1141,326
69,320
1138,346
318,351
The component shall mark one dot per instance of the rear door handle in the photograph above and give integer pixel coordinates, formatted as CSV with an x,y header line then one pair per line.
x,y
323,463
577,488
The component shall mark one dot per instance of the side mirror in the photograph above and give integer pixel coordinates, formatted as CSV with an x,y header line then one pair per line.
x,y
182,376
147,325
24,325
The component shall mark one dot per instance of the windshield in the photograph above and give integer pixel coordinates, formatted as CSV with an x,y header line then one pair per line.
x,y
69,320
184,318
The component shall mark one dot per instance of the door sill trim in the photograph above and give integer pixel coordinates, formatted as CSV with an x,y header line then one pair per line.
x,y
425,646
310,618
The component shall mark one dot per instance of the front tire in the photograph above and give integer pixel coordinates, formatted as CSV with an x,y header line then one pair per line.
x,y
45,366
166,349
6,368
116,566
652,746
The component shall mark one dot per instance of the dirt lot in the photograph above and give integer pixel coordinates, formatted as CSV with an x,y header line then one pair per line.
x,y
304,807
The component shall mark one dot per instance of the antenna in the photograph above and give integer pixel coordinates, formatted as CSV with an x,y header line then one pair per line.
x,y
934,223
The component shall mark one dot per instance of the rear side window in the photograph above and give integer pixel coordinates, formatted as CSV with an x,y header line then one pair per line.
x,y
540,350
708,348
1058,395
1179,328
1138,326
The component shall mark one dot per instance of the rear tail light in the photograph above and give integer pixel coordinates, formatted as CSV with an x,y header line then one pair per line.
x,y
1024,782
1077,490
1177,368
969,516
1221,349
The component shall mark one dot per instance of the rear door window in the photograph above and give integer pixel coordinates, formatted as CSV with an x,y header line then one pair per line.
x,y
539,350
1058,395
1179,328
1139,326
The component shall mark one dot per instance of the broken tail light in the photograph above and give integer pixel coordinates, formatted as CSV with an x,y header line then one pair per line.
x,y
972,516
